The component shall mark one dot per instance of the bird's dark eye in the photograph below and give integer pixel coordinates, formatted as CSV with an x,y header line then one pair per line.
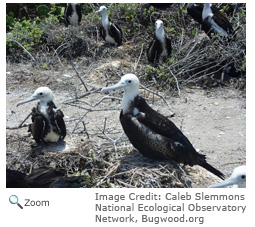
x,y
40,93
129,81
243,176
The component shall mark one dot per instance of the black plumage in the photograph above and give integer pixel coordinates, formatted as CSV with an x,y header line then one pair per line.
x,y
72,14
151,133
214,22
42,177
158,138
156,48
109,31
41,126
195,11
47,121
162,6
114,31
160,46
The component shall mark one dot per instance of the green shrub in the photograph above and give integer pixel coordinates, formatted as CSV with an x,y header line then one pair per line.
x,y
43,10
26,32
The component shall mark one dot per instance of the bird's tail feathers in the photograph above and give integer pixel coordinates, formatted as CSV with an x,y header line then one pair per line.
x,y
213,170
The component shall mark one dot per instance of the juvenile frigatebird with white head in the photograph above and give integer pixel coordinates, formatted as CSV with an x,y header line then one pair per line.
x,y
215,23
72,14
151,133
47,121
160,46
238,177
109,31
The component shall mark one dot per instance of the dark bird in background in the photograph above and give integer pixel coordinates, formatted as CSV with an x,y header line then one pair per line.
x,y
211,19
47,121
72,14
214,22
160,47
195,11
152,134
42,177
109,31
162,6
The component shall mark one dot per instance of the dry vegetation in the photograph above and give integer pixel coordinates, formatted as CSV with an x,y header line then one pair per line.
x,y
76,64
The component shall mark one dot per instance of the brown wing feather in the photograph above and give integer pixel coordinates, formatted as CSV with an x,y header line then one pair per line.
x,y
158,138
38,125
61,123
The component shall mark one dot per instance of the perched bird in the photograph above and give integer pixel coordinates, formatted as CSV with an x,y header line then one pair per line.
x,y
72,14
160,46
152,134
215,23
109,31
238,177
47,121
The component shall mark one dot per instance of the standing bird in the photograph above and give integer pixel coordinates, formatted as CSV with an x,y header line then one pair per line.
x,y
160,46
47,121
72,14
238,177
215,23
109,31
152,134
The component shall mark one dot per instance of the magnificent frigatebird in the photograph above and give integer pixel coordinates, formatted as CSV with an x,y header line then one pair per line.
x,y
214,22
109,31
238,177
151,133
72,14
47,121
160,46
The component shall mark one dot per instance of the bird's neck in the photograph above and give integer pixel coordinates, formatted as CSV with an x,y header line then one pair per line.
x,y
160,34
207,11
190,5
43,106
128,100
105,20
73,6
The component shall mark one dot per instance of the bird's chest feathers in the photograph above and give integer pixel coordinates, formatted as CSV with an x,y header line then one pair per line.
x,y
43,109
48,112
106,25
127,104
74,18
161,37
207,12
50,132
51,136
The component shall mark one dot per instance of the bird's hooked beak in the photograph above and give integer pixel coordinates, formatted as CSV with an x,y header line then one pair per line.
x,y
30,99
99,11
117,86
227,182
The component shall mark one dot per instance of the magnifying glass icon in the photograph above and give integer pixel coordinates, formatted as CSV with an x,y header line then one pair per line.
x,y
14,200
